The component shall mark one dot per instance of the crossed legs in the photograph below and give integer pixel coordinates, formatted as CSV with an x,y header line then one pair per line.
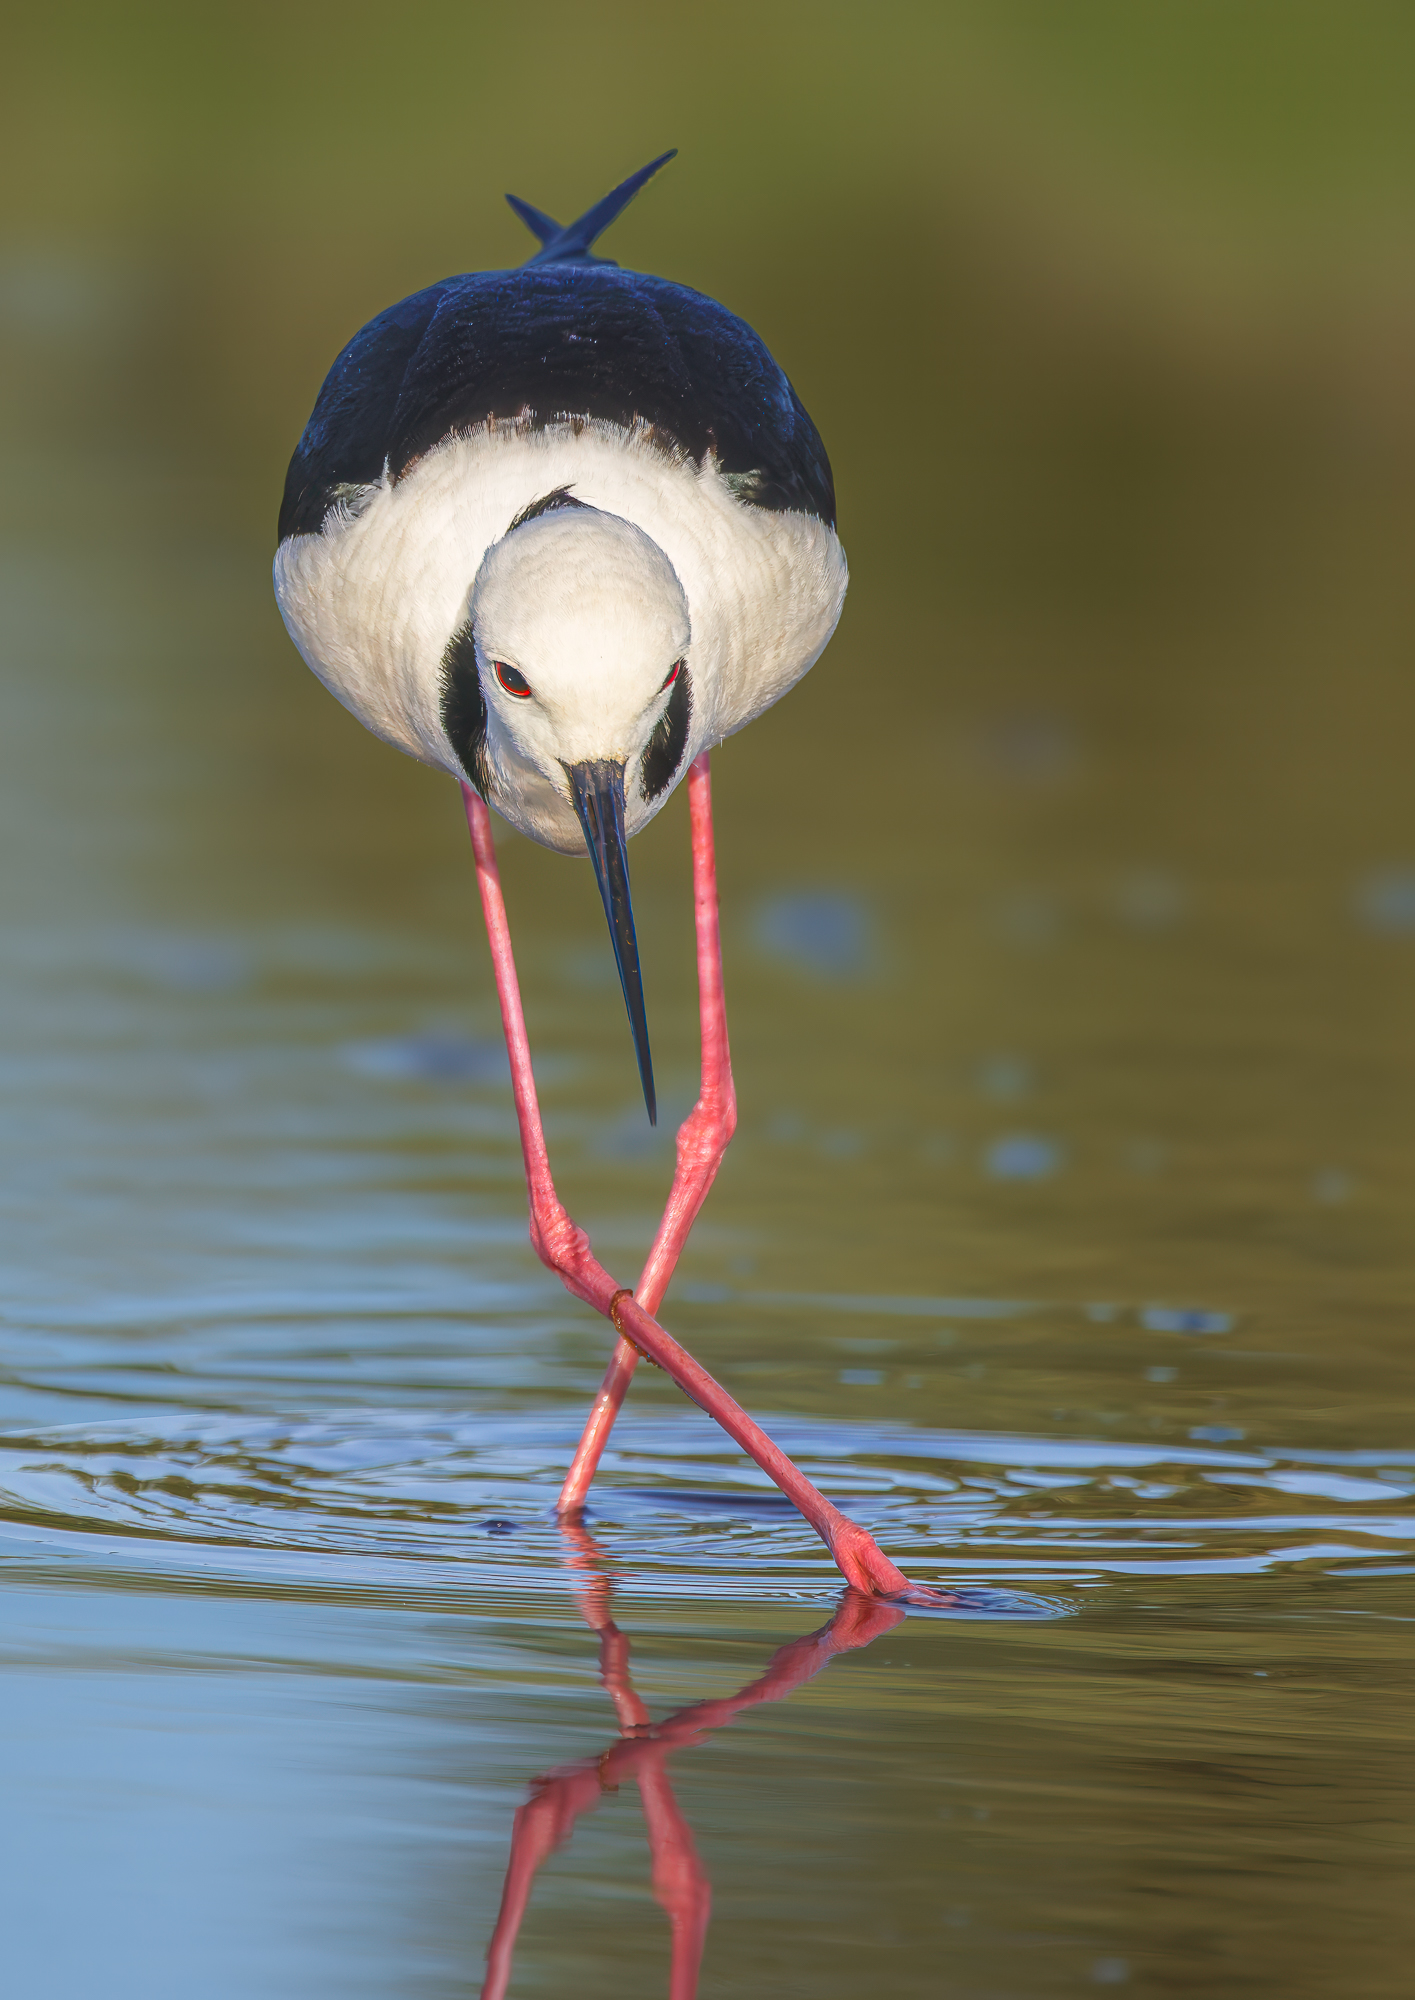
x,y
562,1245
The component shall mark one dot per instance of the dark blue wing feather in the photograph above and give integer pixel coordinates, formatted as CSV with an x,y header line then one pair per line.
x,y
552,340
345,441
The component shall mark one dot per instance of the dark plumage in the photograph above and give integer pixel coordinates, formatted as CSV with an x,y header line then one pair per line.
x,y
663,759
566,335
463,705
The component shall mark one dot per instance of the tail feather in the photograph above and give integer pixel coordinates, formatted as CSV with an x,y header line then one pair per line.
x,y
572,243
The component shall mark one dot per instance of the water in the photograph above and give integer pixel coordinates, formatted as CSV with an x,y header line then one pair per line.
x,y
1065,1240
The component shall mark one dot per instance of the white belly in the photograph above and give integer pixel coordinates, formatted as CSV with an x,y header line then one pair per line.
x,y
373,599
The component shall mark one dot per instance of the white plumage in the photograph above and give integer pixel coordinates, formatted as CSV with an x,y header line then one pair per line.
x,y
748,597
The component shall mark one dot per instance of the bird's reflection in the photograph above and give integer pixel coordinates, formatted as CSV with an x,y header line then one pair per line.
x,y
640,1754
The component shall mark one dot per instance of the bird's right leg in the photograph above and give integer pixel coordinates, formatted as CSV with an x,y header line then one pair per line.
x,y
702,1140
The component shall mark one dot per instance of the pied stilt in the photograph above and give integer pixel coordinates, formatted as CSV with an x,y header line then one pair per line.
x,y
556,531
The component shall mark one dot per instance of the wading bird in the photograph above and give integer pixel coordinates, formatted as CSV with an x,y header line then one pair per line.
x,y
556,531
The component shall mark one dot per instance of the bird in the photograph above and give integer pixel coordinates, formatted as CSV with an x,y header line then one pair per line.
x,y
557,531
554,531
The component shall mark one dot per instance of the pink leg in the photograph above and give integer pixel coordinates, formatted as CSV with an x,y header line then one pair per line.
x,y
702,1140
565,1248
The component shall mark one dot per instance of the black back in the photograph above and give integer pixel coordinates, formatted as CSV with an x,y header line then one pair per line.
x,y
544,343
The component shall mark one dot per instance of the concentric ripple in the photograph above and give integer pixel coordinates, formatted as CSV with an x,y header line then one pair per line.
x,y
392,1501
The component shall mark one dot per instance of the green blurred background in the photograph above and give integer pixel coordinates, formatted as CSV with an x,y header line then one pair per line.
x,y
1104,312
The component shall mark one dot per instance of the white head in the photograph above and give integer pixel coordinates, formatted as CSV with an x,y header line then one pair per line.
x,y
581,629
580,632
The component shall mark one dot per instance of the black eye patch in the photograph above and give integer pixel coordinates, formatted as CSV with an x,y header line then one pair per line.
x,y
464,706
660,761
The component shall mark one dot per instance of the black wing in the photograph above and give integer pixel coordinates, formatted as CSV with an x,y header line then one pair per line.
x,y
544,343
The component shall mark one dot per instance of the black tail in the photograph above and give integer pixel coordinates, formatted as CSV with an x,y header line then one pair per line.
x,y
536,220
571,245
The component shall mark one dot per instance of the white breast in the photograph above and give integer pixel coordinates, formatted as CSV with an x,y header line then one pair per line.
x,y
372,600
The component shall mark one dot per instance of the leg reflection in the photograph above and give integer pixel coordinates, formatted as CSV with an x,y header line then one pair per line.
x,y
640,1753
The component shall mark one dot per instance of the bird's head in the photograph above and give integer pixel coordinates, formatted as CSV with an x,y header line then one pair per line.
x,y
581,634
581,630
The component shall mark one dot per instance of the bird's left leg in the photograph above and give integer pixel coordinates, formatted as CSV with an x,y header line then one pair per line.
x,y
565,1247
703,1138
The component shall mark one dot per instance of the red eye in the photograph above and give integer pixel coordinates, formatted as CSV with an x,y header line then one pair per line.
x,y
513,682
673,673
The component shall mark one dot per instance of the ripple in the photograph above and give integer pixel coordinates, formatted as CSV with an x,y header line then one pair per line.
x,y
390,1500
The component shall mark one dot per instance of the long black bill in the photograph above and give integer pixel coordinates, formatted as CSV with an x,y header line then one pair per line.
x,y
598,791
